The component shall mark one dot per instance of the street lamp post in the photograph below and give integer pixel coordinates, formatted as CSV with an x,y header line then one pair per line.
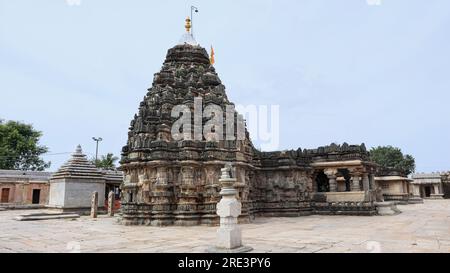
x,y
97,140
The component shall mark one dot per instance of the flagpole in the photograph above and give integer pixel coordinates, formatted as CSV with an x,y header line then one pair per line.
x,y
192,19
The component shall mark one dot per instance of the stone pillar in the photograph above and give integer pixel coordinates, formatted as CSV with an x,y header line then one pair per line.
x,y
372,182
436,188
111,201
331,174
94,204
355,182
415,199
366,182
229,238
416,190
437,192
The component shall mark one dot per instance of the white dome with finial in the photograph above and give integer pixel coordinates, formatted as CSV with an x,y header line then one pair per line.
x,y
189,39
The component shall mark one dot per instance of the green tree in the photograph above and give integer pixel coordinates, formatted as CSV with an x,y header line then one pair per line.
x,y
392,157
19,147
107,162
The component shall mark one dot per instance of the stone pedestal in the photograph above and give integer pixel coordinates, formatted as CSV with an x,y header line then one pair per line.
x,y
229,238
386,208
415,200
94,204
366,182
436,196
111,201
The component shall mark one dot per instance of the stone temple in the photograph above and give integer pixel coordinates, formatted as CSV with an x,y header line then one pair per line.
x,y
175,182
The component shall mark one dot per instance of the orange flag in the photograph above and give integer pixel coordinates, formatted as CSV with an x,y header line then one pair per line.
x,y
211,59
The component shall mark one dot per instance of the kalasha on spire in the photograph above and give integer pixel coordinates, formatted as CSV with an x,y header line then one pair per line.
x,y
171,172
188,37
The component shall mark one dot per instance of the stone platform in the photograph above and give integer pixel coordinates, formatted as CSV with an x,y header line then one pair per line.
x,y
46,216
419,228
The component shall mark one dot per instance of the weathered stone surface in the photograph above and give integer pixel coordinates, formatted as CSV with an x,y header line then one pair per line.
x,y
229,237
354,196
46,216
419,228
171,180
94,204
111,199
229,208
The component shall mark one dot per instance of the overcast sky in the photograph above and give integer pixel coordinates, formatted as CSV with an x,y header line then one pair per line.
x,y
340,71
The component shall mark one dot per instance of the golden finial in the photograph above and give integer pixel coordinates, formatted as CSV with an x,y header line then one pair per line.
x,y
212,59
188,25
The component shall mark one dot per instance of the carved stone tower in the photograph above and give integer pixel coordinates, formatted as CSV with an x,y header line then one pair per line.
x,y
171,176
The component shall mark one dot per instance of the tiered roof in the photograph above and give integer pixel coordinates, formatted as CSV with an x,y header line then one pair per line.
x,y
78,167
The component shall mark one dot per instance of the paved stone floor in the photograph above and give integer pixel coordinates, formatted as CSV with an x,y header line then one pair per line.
x,y
420,228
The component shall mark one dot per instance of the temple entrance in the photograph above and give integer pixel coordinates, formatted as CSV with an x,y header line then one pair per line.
x,y
5,195
427,191
36,196
323,183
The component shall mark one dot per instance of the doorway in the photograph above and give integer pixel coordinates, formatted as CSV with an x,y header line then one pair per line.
x,y
5,195
427,191
323,183
36,196
346,174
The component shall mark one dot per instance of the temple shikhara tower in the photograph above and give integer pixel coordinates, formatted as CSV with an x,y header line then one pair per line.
x,y
173,177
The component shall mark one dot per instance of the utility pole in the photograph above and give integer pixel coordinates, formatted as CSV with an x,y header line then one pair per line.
x,y
97,140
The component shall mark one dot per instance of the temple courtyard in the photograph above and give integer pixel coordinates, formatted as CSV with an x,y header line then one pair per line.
x,y
419,228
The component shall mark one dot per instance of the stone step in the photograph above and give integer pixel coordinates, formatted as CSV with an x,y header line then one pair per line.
x,y
46,216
